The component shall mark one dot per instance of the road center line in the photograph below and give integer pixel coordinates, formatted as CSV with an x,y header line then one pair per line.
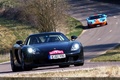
x,y
110,31
115,16
99,38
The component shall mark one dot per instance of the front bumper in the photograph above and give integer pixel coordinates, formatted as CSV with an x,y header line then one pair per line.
x,y
40,60
100,23
59,63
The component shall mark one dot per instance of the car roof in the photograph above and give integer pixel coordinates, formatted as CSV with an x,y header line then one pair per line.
x,y
46,33
96,15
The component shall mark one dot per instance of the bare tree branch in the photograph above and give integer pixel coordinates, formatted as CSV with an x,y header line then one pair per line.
x,y
45,15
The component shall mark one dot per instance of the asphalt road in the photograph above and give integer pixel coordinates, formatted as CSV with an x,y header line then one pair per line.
x,y
95,41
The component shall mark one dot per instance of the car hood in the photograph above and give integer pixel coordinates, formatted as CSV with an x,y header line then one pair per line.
x,y
65,46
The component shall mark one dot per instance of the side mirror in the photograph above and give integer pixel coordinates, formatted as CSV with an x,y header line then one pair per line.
x,y
19,42
73,38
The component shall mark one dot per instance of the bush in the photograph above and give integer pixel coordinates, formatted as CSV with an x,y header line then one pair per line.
x,y
45,15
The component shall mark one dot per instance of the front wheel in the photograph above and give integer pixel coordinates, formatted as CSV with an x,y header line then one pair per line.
x,y
106,23
13,66
23,65
88,26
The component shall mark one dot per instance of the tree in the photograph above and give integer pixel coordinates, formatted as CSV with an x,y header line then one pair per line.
x,y
45,15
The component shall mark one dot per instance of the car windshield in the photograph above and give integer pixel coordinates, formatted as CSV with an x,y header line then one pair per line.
x,y
46,38
96,17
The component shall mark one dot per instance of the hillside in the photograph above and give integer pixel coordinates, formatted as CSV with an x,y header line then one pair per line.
x,y
17,24
11,30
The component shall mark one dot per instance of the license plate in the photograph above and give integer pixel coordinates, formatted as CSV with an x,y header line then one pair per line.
x,y
58,56
97,25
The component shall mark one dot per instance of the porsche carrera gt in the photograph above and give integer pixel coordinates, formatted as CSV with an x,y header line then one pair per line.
x,y
46,49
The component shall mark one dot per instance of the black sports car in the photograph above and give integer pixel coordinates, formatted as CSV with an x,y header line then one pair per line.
x,y
46,49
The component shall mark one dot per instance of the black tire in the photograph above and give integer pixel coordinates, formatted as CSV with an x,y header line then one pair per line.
x,y
79,64
88,26
13,66
63,66
81,57
106,23
23,65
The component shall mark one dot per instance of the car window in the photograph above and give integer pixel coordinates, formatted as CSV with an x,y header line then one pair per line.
x,y
46,38
96,17
33,40
54,38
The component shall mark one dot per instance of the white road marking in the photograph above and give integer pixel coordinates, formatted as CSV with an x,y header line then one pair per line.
x,y
99,38
110,31
115,16
116,22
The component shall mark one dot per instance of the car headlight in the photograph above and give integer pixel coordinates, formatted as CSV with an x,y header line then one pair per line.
x,y
75,47
31,50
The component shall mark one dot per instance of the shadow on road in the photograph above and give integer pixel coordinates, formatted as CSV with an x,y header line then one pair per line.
x,y
46,68
100,47
6,72
109,1
34,69
97,50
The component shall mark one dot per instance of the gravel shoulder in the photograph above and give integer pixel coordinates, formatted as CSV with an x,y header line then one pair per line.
x,y
111,71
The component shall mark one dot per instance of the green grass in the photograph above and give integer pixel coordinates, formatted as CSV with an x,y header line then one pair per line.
x,y
4,58
75,27
11,31
109,56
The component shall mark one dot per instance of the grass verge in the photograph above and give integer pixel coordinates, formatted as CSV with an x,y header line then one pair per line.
x,y
4,58
75,27
109,56
111,71
10,31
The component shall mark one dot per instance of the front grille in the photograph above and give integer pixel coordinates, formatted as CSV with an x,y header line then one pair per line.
x,y
56,61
